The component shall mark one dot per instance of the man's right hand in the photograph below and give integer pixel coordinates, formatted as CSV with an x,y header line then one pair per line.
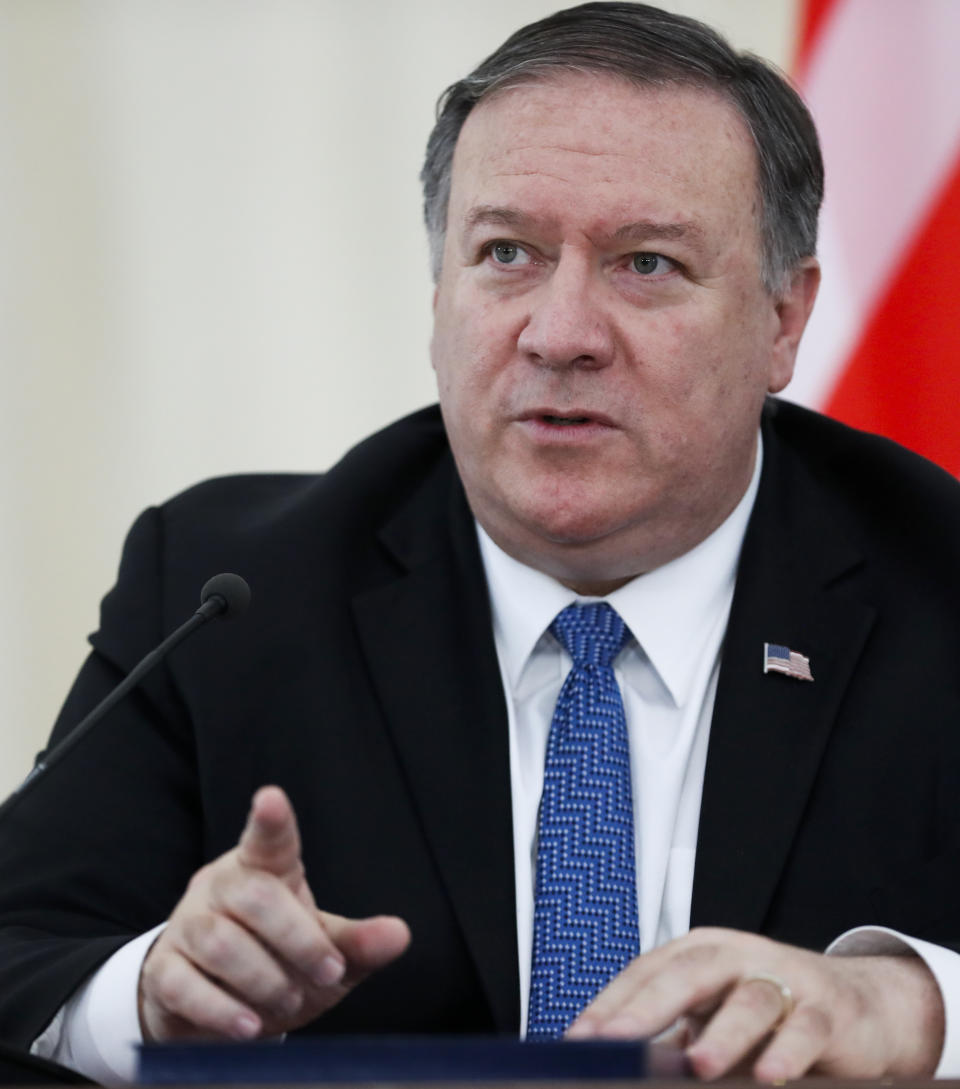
x,y
246,952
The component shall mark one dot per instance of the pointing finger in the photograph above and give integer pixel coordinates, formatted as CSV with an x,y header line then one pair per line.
x,y
271,840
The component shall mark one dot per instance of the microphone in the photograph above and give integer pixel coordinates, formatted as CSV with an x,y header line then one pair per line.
x,y
225,596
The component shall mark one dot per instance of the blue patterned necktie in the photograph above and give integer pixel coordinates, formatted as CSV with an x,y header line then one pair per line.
x,y
585,927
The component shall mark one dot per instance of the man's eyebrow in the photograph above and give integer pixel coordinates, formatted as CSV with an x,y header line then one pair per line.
x,y
641,229
497,216
649,228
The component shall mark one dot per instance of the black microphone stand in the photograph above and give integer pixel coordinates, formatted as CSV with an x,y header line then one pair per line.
x,y
224,595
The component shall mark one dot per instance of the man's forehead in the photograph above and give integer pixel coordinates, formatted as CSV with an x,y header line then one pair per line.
x,y
526,107
625,143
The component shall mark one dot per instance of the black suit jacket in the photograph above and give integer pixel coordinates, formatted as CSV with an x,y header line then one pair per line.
x,y
364,680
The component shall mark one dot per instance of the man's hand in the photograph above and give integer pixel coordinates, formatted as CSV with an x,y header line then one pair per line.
x,y
850,1016
246,952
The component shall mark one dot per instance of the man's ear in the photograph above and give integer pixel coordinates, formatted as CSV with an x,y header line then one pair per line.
x,y
793,311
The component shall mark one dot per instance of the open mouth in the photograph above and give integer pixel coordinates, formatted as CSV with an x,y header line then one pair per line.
x,y
565,421
550,421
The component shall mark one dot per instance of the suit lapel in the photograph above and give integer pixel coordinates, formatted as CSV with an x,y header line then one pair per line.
x,y
426,635
769,731
428,641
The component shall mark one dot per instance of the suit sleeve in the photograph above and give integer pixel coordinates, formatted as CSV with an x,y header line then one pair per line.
x,y
104,845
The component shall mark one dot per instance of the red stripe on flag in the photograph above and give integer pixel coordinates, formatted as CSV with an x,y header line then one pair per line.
x,y
903,380
811,18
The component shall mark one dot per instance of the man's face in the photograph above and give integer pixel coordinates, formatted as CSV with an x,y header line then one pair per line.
x,y
603,342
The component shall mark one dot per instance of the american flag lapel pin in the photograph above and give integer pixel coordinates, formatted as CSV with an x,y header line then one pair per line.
x,y
780,659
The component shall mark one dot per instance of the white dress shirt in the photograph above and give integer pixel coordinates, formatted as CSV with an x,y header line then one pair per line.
x,y
668,677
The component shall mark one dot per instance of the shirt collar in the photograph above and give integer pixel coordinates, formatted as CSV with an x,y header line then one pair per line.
x,y
671,610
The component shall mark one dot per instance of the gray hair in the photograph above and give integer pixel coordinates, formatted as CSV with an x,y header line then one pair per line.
x,y
650,47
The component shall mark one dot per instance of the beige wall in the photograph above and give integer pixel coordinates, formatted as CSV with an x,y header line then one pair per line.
x,y
210,259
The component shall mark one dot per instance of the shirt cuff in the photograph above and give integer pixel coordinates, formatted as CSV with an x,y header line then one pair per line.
x,y
97,1031
944,964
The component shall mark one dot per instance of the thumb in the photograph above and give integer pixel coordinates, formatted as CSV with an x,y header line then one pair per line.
x,y
367,944
271,840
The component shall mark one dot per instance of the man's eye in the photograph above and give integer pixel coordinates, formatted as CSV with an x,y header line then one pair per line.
x,y
649,263
508,253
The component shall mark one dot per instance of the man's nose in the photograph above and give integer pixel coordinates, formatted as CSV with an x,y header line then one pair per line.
x,y
567,324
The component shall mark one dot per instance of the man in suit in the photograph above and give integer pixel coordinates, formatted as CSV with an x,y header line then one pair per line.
x,y
623,215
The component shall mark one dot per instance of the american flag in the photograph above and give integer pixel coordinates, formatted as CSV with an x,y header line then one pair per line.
x,y
778,659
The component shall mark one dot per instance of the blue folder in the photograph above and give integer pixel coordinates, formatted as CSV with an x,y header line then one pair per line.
x,y
400,1059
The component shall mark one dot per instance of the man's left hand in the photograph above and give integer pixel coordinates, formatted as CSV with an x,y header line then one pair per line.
x,y
849,1017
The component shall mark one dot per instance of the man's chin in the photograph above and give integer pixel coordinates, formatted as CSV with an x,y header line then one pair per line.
x,y
569,542
593,564
569,525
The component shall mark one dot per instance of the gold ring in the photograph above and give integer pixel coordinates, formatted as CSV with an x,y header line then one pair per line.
x,y
787,1002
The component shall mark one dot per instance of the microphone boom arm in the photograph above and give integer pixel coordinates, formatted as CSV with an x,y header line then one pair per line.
x,y
232,601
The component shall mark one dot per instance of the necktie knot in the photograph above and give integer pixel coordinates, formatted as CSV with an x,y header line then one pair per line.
x,y
591,634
